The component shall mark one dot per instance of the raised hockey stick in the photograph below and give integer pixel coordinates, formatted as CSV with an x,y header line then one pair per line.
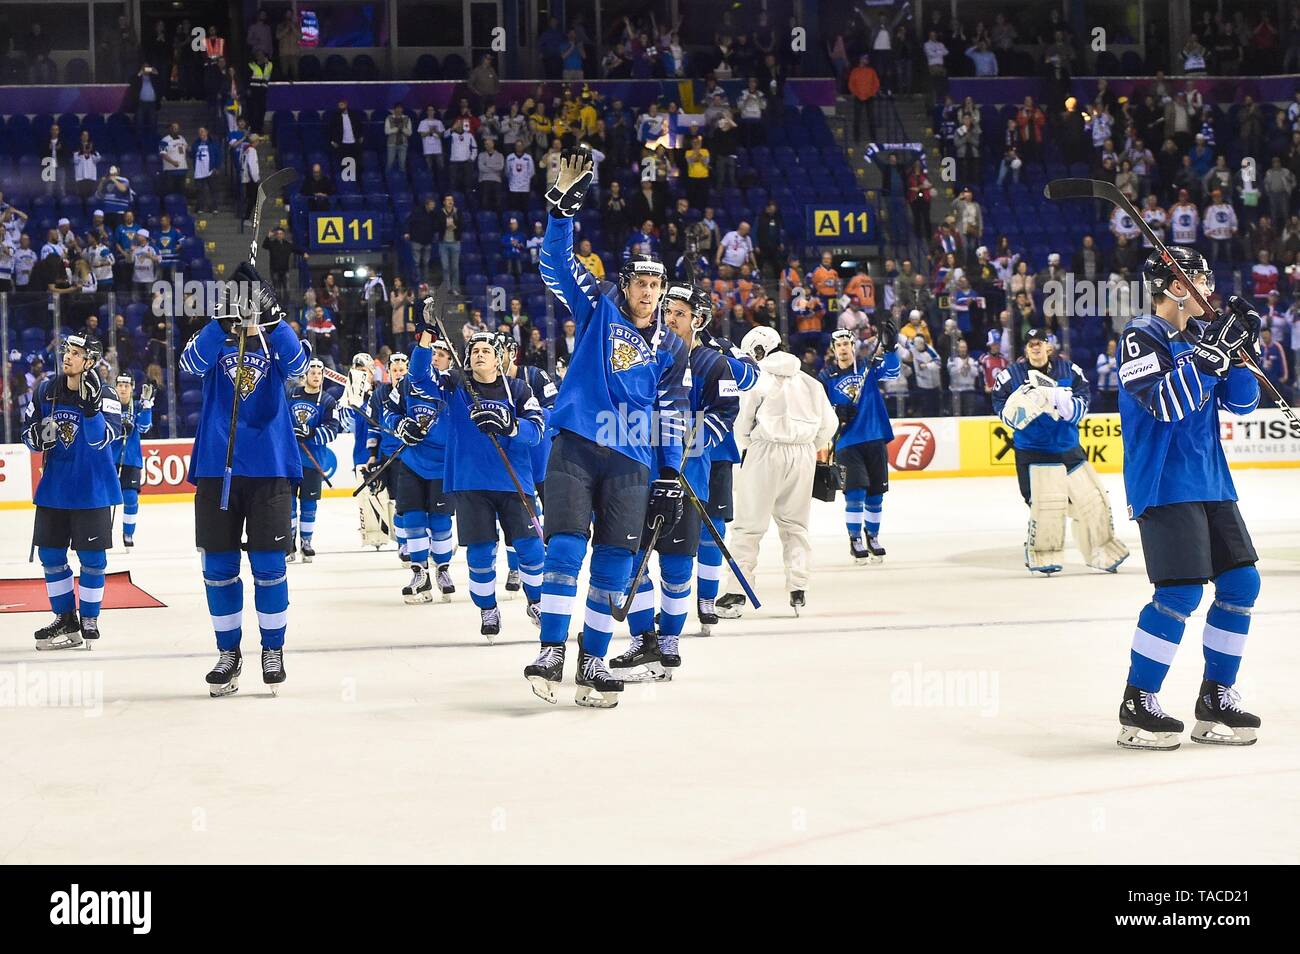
x,y
312,457
433,317
1107,192
271,186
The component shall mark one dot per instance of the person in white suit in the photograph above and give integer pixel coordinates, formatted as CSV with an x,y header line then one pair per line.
x,y
784,428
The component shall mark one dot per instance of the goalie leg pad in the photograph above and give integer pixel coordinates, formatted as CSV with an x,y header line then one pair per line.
x,y
376,522
1094,528
1048,501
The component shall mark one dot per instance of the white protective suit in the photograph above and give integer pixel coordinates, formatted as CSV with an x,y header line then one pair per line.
x,y
782,423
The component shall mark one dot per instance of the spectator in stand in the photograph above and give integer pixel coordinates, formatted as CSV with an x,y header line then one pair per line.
x,y
573,57
517,322
861,290
591,261
736,253
648,204
431,132
462,152
992,363
397,136
1279,186
174,151
1220,227
567,341
401,317
483,81
751,105
249,175
920,192
318,188
519,172
288,39
280,255
864,85
320,335
514,247
57,149
491,170
207,160
986,62
144,94
927,370
963,378
345,135
853,318
169,242
771,238
1272,361
1031,122
966,147
1264,274
915,327
85,166
969,222
144,265
447,226
1107,399
697,172
420,232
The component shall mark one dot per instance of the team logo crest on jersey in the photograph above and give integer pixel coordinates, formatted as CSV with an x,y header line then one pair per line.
x,y
627,349
247,378
66,425
850,386
426,414
302,413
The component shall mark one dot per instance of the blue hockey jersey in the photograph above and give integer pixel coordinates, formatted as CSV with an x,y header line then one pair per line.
x,y
472,461
546,389
127,451
79,472
426,404
1045,433
265,445
318,410
861,389
715,402
1169,417
744,370
381,443
624,388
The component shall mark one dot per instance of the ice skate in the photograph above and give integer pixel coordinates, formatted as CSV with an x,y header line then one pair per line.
x,y
708,616
402,555
669,656
858,550
642,662
308,554
729,606
420,589
445,586
63,633
546,672
597,689
797,601
490,624
223,680
128,542
875,552
1217,709
535,614
90,630
273,668
292,555
1144,725
1044,563
512,582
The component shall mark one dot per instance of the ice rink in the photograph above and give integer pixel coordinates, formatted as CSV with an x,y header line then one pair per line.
x,y
942,707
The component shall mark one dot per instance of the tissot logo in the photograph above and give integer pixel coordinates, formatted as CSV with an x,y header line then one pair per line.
x,y
77,907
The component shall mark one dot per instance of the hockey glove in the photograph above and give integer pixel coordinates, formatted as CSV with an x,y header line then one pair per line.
x,y
1223,337
259,305
128,427
493,418
304,430
147,392
410,431
42,435
90,396
846,413
571,183
1252,322
666,502
888,337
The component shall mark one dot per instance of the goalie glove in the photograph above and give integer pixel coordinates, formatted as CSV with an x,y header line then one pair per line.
x,y
147,392
1024,405
493,418
410,431
571,183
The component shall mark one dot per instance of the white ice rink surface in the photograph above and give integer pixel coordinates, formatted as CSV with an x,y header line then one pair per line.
x,y
943,707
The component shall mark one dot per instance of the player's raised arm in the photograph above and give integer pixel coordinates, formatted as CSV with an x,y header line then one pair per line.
x,y
561,271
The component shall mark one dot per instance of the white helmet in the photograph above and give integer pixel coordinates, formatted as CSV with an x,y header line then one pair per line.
x,y
760,342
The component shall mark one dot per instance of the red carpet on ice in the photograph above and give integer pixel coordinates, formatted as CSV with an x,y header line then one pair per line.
x,y
28,596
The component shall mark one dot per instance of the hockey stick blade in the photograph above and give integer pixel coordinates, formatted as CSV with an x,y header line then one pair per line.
x,y
269,188
1078,189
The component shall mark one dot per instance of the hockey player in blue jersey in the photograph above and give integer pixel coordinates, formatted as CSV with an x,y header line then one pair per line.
x,y
501,407
415,412
1043,398
546,390
721,503
383,444
713,404
1177,368
863,444
137,419
624,391
266,464
73,420
315,424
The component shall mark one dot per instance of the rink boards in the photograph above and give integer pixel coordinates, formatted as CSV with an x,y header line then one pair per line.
x,y
922,447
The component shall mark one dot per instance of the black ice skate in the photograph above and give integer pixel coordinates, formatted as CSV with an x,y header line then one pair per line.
x,y
63,633
292,555
128,541
223,680
512,582
597,689
273,668
668,654
420,589
642,662
90,630
858,549
445,586
874,549
491,623
1144,725
308,554
797,601
1216,706
708,615
729,606
403,555
535,614
546,671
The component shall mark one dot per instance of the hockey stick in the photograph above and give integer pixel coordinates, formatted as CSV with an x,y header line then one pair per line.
x,y
620,613
431,316
312,457
1106,191
271,185
374,478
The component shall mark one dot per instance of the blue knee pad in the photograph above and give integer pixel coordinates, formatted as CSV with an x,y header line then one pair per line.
x,y
1159,631
1181,599
1228,623
270,595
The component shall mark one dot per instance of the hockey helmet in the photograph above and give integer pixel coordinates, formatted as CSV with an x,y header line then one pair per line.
x,y
398,356
1157,273
485,337
696,299
362,360
93,347
639,264
760,341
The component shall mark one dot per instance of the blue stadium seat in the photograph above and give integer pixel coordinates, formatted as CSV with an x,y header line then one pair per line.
x,y
309,69
427,68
